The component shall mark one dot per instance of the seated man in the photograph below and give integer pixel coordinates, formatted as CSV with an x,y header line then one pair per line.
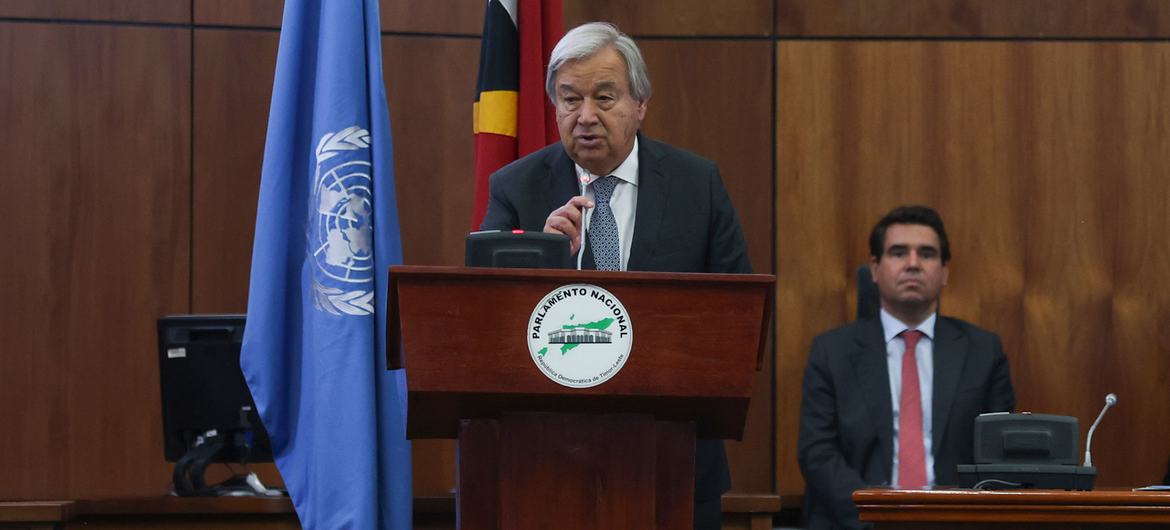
x,y
891,401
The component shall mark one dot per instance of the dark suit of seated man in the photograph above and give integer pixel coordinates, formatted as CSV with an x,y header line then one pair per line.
x,y
873,413
665,209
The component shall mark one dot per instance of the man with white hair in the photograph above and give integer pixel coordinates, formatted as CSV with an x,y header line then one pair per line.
x,y
648,206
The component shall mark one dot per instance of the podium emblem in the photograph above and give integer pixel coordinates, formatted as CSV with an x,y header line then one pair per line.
x,y
580,335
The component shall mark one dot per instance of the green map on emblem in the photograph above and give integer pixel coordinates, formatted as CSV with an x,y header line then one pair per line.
x,y
598,325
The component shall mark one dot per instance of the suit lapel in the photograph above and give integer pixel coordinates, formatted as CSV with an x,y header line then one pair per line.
x,y
873,378
560,183
950,353
653,192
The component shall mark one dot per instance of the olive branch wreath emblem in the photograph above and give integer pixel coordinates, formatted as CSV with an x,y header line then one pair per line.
x,y
334,300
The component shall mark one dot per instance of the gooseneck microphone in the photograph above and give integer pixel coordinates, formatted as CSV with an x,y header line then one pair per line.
x,y
1110,400
584,181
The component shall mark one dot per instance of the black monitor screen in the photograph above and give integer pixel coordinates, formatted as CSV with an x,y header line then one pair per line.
x,y
518,249
203,387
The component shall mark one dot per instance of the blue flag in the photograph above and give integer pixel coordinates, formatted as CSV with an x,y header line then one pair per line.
x,y
314,352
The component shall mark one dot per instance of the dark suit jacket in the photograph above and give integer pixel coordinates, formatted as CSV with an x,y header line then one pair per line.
x,y
684,222
846,415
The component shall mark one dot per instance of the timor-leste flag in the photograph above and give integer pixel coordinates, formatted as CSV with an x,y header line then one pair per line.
x,y
512,115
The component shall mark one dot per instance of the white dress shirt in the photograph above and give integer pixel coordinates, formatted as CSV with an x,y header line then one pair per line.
x,y
623,201
924,356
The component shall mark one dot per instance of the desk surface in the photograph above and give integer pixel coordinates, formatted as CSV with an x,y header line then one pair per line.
x,y
1019,506
68,510
28,511
755,510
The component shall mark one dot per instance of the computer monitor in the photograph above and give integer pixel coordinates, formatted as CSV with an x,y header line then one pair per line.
x,y
203,390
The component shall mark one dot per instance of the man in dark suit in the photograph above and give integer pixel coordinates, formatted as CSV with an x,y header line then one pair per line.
x,y
892,400
647,206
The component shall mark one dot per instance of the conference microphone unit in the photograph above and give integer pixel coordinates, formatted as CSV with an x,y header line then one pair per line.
x,y
1110,400
1030,451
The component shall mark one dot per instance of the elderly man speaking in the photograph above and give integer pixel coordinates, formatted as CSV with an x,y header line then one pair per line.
x,y
648,206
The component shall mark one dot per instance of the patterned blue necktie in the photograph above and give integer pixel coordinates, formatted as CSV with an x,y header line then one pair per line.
x,y
603,233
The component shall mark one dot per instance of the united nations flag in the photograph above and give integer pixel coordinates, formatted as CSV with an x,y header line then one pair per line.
x,y
326,232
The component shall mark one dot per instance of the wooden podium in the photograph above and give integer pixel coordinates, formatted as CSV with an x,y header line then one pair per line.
x,y
535,454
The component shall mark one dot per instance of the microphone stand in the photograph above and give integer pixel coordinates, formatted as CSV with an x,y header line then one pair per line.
x,y
1110,400
584,181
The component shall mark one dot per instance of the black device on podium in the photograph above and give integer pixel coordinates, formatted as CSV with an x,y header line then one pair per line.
x,y
1026,451
518,249
208,412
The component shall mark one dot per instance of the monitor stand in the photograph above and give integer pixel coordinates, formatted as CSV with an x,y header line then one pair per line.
x,y
189,470
247,485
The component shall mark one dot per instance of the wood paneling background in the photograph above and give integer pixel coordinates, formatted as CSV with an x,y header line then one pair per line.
x,y
132,134
696,18
433,143
1047,163
1128,19
251,13
96,191
233,72
435,17
741,148
170,11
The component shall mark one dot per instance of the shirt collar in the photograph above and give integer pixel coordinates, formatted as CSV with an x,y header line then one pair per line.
x,y
892,327
627,171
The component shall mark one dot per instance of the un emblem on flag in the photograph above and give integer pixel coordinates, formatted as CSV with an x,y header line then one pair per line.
x,y
341,224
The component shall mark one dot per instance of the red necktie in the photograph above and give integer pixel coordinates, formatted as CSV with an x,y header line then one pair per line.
x,y
911,453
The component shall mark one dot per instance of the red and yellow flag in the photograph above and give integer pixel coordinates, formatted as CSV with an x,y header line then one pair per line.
x,y
512,115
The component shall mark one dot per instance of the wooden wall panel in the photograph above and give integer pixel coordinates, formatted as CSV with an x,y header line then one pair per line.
x,y
813,226
1097,291
1138,352
234,70
233,87
682,17
96,186
974,18
444,17
173,11
253,13
695,108
1045,160
430,85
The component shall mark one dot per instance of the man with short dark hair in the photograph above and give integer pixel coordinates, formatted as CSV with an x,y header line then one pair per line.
x,y
892,400
647,206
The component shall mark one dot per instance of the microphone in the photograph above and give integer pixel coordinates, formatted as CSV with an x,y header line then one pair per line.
x,y
1110,400
583,180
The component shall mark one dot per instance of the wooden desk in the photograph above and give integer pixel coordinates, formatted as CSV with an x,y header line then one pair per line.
x,y
35,515
748,511
740,512
163,513
1051,509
